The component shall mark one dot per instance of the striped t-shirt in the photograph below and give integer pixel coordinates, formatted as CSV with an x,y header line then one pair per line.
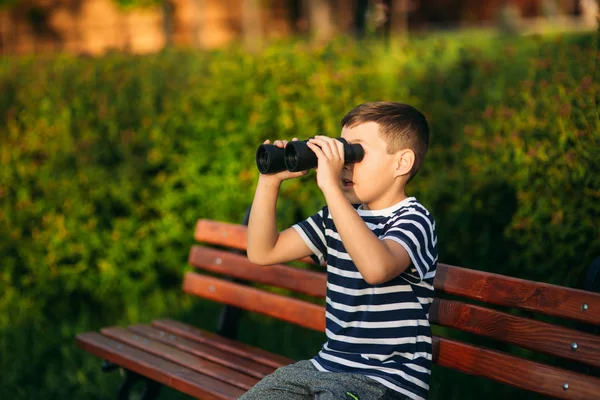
x,y
381,331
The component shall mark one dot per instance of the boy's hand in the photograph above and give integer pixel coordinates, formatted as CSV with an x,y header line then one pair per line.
x,y
279,177
330,153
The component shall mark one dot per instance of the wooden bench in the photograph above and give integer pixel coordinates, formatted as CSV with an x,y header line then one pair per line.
x,y
210,366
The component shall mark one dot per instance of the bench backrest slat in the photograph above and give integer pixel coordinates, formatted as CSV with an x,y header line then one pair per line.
x,y
221,234
282,307
524,332
522,373
238,266
558,301
493,288
225,234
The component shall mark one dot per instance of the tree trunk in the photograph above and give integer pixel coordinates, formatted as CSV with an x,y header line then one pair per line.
x,y
168,22
399,10
4,21
252,24
360,18
197,24
320,20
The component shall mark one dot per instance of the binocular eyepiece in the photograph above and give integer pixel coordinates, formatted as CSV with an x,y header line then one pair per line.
x,y
297,156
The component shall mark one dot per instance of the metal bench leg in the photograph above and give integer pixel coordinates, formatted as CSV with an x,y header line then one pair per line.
x,y
592,279
151,388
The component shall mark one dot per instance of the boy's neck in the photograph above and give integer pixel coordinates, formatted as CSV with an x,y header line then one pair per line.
x,y
385,202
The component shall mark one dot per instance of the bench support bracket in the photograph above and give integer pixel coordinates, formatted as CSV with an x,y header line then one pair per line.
x,y
150,390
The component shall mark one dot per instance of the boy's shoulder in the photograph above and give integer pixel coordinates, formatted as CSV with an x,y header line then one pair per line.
x,y
412,210
410,207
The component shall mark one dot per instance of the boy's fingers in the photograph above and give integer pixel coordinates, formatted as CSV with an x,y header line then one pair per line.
x,y
316,149
325,146
295,139
340,149
336,150
267,141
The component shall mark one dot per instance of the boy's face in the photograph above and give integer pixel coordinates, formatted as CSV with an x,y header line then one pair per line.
x,y
369,181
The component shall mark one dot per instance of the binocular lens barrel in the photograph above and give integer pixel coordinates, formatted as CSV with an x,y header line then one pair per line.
x,y
297,156
270,159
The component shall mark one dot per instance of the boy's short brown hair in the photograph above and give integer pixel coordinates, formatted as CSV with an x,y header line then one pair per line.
x,y
400,125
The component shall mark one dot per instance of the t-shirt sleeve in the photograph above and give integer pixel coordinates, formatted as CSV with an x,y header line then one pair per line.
x,y
416,233
312,231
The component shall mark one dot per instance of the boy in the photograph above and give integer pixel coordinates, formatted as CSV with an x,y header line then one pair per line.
x,y
380,248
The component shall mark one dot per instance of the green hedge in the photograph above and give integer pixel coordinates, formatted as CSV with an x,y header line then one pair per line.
x,y
106,164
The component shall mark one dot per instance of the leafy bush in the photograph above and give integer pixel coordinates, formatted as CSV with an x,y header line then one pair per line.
x,y
107,163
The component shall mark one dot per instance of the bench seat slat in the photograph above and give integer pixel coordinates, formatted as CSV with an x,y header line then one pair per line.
x,y
282,307
156,368
177,356
238,266
519,372
524,332
223,358
234,347
493,288
507,291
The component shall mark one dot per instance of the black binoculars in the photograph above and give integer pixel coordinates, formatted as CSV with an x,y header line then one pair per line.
x,y
297,156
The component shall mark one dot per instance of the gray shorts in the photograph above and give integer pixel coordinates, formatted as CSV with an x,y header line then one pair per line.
x,y
303,381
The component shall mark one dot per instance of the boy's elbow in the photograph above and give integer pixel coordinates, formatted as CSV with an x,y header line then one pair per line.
x,y
253,257
382,275
375,279
257,258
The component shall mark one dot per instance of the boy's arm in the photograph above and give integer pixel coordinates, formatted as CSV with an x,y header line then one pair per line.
x,y
265,244
377,260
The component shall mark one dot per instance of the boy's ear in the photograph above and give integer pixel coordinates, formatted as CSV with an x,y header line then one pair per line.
x,y
405,159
